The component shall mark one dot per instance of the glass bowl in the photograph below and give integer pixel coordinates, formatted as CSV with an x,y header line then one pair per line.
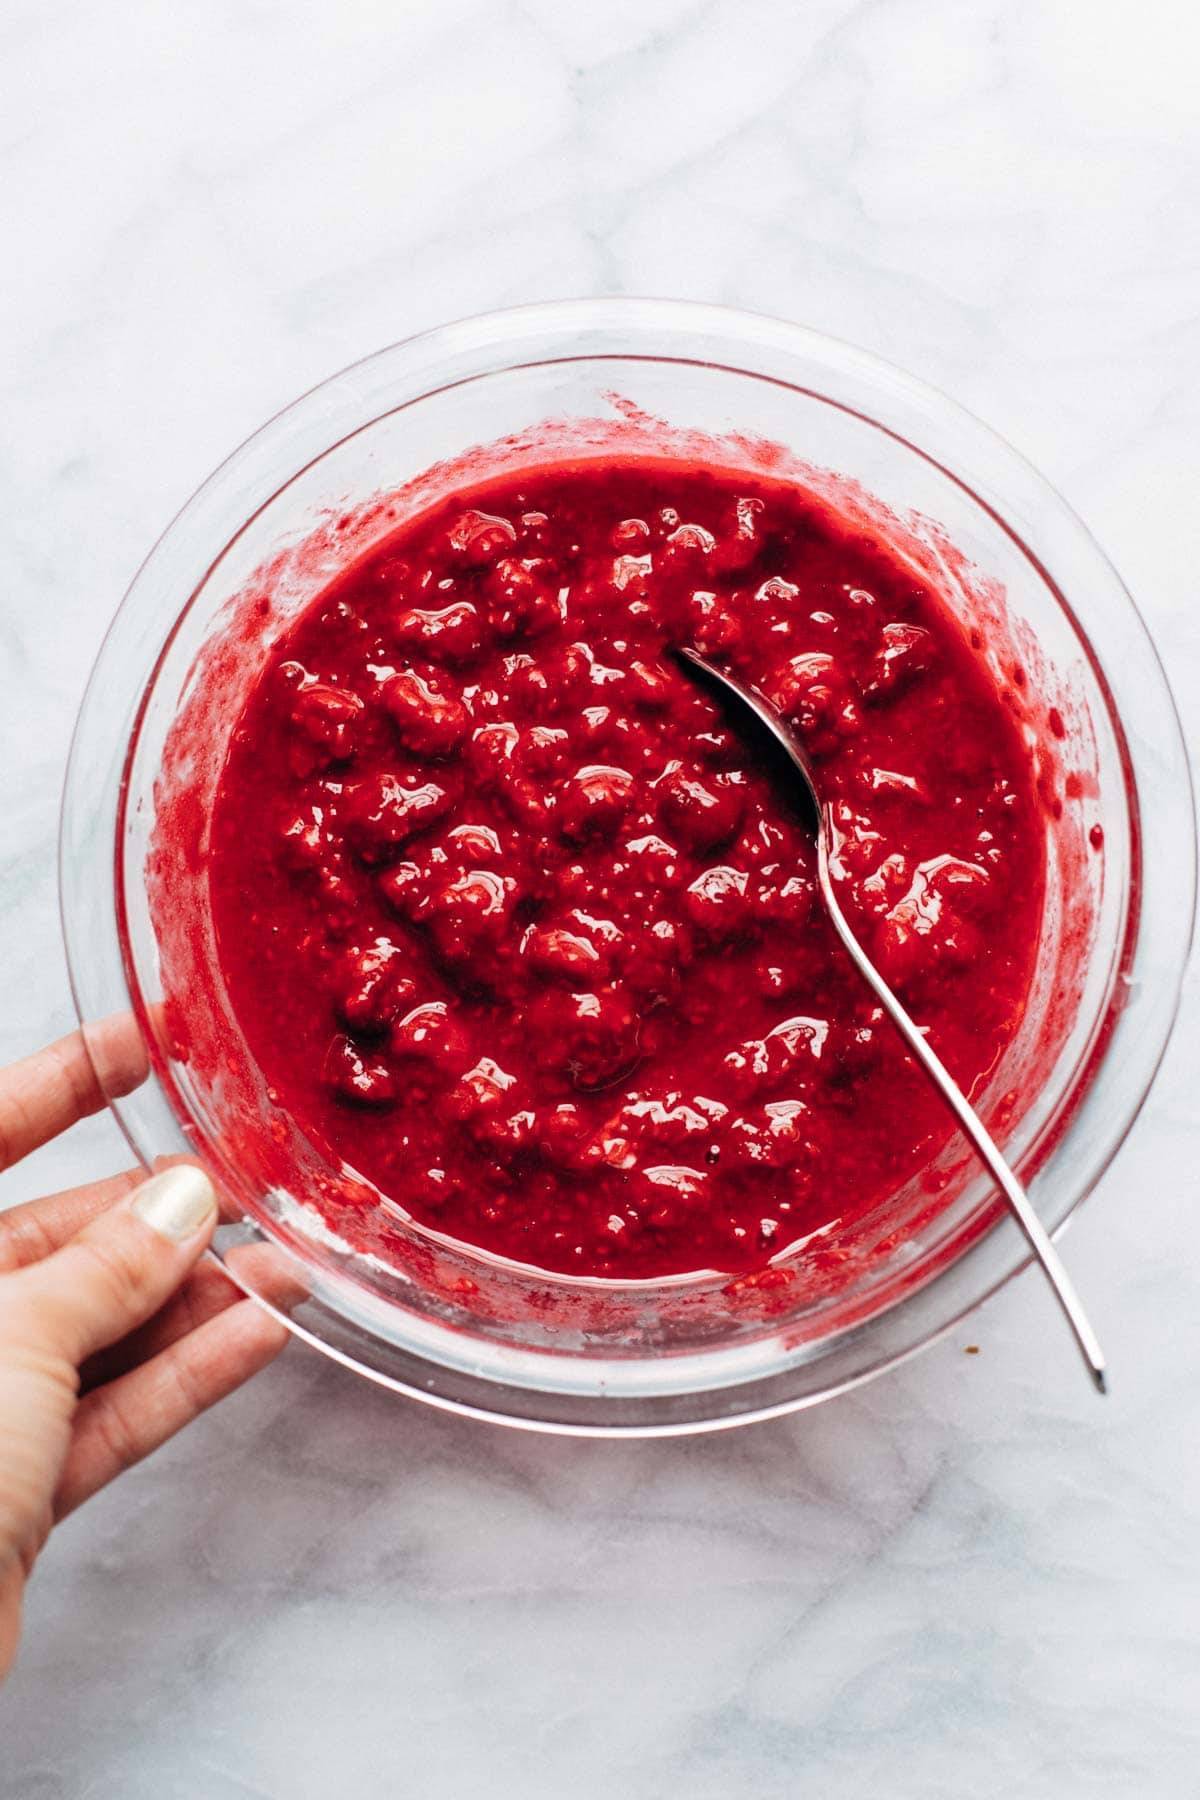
x,y
333,473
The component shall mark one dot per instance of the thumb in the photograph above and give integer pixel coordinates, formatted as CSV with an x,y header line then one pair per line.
x,y
116,1272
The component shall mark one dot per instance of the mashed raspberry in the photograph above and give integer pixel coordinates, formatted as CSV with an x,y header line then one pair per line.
x,y
517,926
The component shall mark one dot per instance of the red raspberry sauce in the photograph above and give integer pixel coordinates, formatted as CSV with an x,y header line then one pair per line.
x,y
518,927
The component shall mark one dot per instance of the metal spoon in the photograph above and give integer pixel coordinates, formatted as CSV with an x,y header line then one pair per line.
x,y
1035,1232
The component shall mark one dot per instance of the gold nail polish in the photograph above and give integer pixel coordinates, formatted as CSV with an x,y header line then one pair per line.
x,y
177,1202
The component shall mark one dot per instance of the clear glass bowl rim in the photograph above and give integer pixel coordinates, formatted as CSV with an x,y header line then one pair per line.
x,y
757,345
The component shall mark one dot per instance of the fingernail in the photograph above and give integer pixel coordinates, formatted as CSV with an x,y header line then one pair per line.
x,y
177,1202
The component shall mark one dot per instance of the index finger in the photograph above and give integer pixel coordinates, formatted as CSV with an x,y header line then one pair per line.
x,y
45,1093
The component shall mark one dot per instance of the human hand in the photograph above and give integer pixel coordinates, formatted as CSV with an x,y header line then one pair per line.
x,y
111,1337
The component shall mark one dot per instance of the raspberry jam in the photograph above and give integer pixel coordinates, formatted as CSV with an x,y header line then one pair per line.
x,y
519,928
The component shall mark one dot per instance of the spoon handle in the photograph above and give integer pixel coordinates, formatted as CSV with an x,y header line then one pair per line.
x,y
972,1125
1035,1232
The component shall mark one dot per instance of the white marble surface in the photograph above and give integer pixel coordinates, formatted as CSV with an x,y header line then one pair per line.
x,y
969,1578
